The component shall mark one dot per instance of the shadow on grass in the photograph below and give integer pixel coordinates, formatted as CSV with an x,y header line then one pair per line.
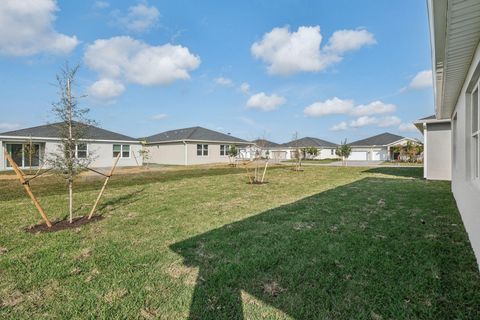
x,y
375,248
409,172
120,201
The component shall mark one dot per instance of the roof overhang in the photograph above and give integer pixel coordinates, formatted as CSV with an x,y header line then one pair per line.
x,y
203,141
454,36
420,124
40,139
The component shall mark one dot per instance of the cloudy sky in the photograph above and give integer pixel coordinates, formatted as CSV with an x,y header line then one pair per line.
x,y
327,69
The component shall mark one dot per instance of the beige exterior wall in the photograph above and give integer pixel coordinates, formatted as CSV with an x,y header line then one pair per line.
x,y
172,153
439,151
213,154
101,152
465,188
178,153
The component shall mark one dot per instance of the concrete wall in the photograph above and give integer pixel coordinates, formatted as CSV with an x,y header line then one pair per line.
x,y
466,189
439,152
101,152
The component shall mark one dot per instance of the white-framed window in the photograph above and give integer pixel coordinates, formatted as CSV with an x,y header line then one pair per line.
x,y
224,149
123,149
81,151
202,149
475,145
332,152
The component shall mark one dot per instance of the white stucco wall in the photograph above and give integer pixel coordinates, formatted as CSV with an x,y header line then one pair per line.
x,y
465,189
101,152
172,153
439,152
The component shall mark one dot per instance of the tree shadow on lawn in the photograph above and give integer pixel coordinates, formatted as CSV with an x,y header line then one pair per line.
x,y
120,201
408,172
390,248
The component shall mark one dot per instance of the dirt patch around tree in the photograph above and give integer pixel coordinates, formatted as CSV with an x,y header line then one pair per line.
x,y
62,225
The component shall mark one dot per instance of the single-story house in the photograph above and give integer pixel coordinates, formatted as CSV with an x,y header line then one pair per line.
x,y
326,149
101,145
269,149
437,141
377,148
195,145
455,38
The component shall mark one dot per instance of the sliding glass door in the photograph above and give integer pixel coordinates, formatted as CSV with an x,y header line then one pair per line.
x,y
24,155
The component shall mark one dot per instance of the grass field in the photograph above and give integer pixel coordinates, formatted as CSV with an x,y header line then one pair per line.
x,y
327,242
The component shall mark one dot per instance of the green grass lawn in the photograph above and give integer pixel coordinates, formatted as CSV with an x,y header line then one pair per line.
x,y
314,160
326,243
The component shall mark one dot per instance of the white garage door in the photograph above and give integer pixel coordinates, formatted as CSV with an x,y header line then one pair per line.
x,y
358,155
379,155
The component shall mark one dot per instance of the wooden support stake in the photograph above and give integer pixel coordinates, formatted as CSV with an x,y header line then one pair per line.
x,y
264,171
135,157
26,185
104,187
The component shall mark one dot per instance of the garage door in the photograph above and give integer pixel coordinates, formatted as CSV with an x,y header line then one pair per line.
x,y
359,155
279,155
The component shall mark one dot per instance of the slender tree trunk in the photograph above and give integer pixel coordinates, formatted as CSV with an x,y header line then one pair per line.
x,y
70,151
70,195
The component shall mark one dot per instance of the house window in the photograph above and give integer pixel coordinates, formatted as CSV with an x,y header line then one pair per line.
x,y
24,155
224,149
332,152
123,149
202,149
81,151
475,135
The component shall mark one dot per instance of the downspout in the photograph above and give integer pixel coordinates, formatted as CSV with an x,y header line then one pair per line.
x,y
186,152
425,132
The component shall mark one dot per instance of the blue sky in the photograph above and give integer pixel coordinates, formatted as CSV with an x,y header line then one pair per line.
x,y
151,66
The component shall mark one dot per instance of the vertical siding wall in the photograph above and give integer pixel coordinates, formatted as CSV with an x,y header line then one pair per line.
x,y
466,192
439,150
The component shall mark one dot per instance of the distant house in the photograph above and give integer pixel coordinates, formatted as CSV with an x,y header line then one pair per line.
x,y
269,149
189,146
326,149
437,140
102,145
377,148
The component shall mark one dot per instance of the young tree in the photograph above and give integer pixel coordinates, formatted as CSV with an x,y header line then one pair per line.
x,y
144,153
297,153
344,151
311,151
29,152
260,158
73,128
232,153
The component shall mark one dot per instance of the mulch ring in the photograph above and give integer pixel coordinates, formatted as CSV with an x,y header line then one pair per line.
x,y
62,225
257,182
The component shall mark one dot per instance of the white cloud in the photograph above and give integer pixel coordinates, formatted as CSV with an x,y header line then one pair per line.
x,y
265,102
106,89
330,106
422,80
349,40
7,126
340,126
140,18
407,127
26,28
363,121
287,52
101,5
245,88
389,121
126,60
223,81
375,107
159,116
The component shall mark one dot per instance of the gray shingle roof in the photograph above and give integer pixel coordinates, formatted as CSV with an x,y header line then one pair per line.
x,y
378,140
53,131
266,143
309,142
192,134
